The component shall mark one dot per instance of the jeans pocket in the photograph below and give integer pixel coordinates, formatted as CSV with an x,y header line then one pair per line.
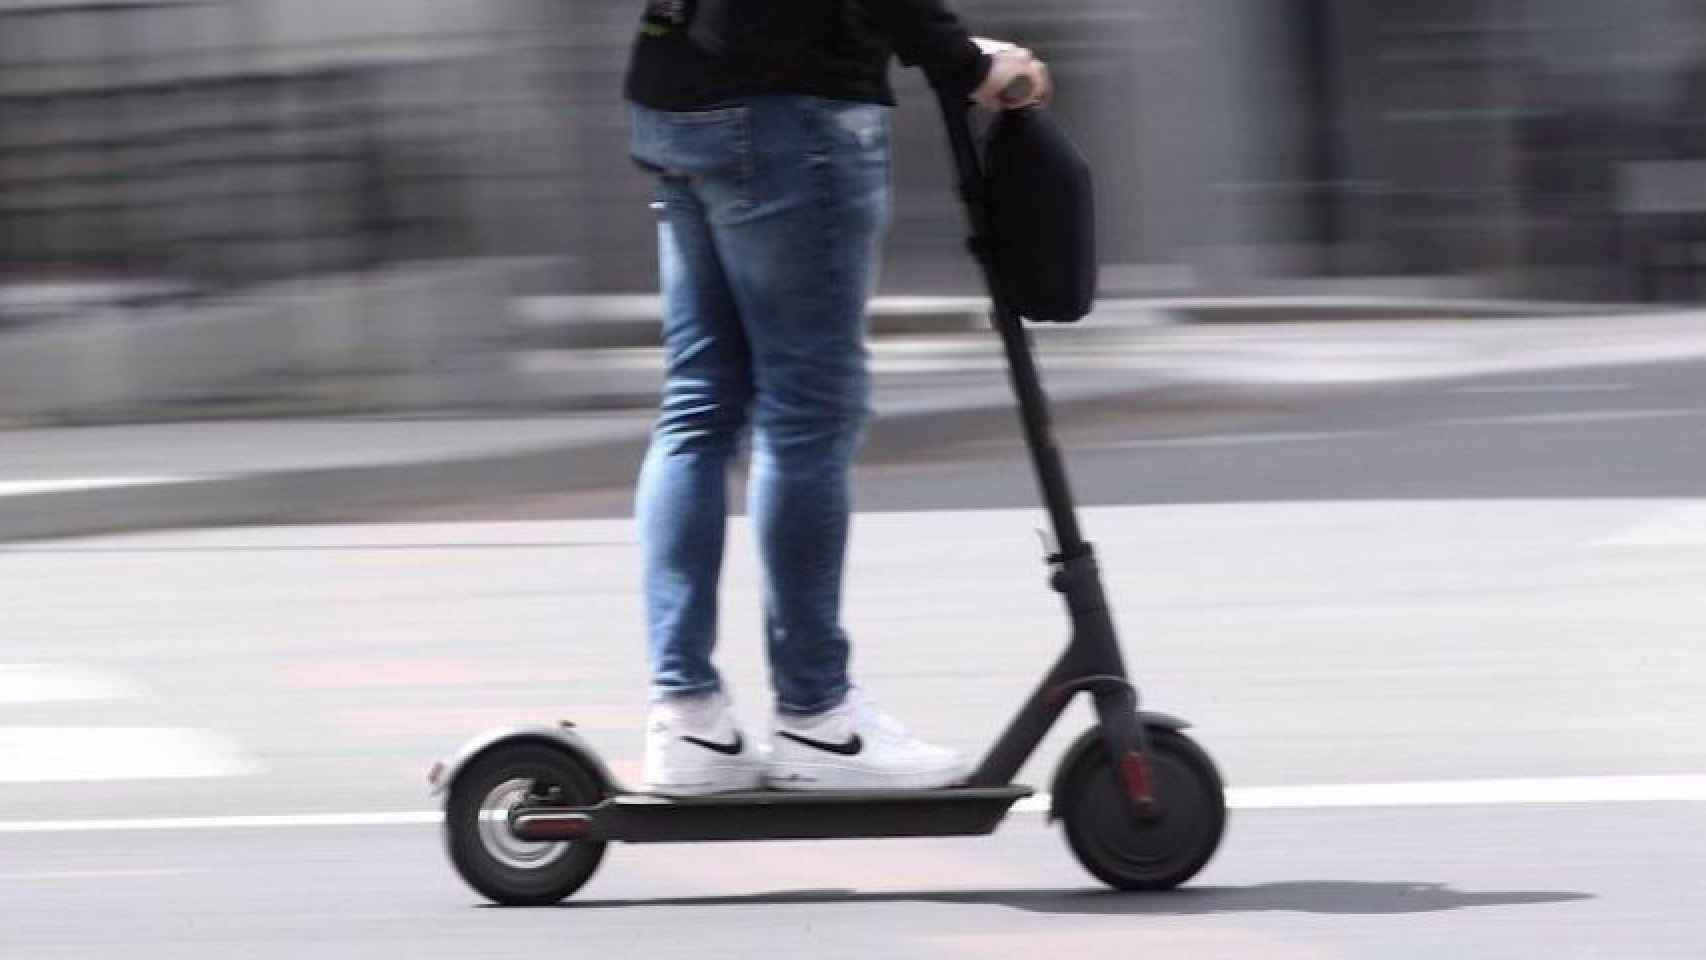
x,y
859,129
711,150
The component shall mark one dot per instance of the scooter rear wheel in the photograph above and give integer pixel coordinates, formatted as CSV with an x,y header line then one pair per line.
x,y
1127,851
488,854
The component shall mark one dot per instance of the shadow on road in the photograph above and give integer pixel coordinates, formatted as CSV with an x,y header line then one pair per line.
x,y
1317,897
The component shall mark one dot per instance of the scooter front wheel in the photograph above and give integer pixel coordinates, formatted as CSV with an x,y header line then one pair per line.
x,y
488,854
1125,849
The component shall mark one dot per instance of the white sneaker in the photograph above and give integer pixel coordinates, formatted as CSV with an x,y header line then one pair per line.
x,y
694,746
856,747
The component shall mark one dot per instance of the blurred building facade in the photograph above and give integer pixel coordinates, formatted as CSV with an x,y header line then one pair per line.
x,y
1519,147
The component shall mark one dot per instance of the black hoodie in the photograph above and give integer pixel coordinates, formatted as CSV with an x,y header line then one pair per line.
x,y
696,54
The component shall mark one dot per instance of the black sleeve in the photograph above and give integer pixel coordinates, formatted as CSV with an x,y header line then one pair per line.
x,y
927,34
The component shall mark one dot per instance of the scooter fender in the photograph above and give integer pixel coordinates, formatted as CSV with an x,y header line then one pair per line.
x,y
562,736
1092,740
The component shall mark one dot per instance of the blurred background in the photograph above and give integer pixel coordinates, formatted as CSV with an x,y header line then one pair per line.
x,y
312,203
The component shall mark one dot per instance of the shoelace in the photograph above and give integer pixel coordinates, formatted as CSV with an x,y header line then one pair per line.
x,y
865,711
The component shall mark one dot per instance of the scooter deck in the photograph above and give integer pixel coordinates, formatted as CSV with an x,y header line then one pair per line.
x,y
774,815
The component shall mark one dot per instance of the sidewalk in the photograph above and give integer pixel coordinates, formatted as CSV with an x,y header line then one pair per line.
x,y
66,482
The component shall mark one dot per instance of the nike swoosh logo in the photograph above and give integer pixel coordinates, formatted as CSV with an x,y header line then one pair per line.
x,y
848,749
726,749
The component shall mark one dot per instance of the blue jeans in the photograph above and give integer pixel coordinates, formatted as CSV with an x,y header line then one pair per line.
x,y
771,215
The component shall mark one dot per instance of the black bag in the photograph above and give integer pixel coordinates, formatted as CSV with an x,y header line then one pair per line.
x,y
1043,214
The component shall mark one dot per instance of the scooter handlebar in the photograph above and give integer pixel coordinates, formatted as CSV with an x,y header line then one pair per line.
x,y
1019,90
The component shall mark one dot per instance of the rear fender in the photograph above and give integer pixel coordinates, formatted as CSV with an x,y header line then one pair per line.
x,y
562,737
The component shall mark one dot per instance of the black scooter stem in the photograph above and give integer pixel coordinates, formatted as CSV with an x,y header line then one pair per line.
x,y
1015,339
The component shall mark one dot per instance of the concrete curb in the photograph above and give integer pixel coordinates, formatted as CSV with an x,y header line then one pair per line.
x,y
1352,309
635,320
289,495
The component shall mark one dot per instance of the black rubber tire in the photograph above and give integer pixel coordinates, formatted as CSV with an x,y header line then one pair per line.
x,y
1118,848
561,868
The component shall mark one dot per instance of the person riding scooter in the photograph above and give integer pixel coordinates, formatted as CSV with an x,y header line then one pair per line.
x,y
765,124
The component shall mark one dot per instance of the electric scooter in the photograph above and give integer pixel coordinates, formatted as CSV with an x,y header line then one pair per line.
x,y
528,812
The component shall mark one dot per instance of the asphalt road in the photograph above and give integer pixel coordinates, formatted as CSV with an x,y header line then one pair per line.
x,y
1441,638
1626,431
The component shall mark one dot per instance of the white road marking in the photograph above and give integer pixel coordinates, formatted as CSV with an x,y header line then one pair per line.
x,y
1683,526
57,683
1582,416
1226,440
1537,791
1543,790
84,754
1548,388
12,488
134,874
401,819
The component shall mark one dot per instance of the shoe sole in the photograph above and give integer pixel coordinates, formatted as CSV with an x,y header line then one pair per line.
x,y
734,781
828,776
